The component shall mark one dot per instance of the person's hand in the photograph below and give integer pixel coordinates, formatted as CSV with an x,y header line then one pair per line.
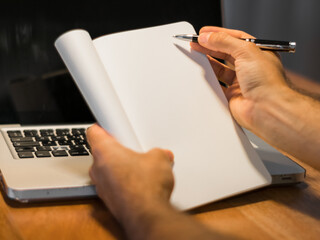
x,y
128,181
255,75
136,188
259,96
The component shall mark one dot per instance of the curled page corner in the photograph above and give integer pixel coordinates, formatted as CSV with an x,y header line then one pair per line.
x,y
80,56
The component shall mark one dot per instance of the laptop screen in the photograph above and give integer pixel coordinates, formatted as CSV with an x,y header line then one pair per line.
x,y
35,87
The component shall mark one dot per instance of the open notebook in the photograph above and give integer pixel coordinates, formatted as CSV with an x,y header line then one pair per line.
x,y
151,90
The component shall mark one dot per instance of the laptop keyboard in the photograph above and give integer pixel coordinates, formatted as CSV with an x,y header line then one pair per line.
x,y
49,142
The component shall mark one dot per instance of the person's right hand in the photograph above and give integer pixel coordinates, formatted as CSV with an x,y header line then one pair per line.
x,y
255,76
259,96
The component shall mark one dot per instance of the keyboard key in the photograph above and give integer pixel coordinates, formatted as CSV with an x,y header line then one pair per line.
x,y
25,154
78,131
78,152
44,138
26,144
62,132
77,147
75,137
49,143
47,132
43,154
14,134
80,142
43,148
24,149
30,133
57,138
22,139
60,148
59,153
65,142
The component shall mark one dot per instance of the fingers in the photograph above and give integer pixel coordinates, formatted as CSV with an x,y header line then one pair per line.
x,y
234,33
231,32
215,54
169,154
160,154
223,72
95,133
225,43
233,91
101,141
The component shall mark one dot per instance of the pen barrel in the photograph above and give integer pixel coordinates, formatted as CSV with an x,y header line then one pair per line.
x,y
274,45
268,42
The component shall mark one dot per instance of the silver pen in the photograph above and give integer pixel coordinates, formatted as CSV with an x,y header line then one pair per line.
x,y
271,45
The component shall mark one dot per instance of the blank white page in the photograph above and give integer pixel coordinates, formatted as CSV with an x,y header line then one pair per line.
x,y
173,101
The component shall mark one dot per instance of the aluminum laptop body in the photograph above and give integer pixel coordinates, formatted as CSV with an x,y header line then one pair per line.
x,y
53,178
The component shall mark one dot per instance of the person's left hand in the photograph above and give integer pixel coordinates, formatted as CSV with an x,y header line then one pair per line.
x,y
127,181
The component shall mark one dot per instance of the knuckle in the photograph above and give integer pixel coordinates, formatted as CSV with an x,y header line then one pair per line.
x,y
219,37
245,50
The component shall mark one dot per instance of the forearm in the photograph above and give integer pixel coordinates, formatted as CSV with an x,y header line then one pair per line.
x,y
284,121
303,84
164,222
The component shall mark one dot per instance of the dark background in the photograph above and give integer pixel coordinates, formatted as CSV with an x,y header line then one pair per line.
x,y
34,86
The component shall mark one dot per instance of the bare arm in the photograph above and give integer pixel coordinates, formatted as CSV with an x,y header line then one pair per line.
x,y
259,96
303,85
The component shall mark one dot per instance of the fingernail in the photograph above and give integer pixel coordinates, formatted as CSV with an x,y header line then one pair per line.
x,y
204,37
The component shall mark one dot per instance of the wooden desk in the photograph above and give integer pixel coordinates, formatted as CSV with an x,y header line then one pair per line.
x,y
291,212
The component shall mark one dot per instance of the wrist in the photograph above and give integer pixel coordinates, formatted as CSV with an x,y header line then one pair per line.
x,y
142,220
269,111
160,220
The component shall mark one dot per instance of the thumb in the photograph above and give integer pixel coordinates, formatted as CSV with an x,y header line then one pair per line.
x,y
96,135
225,43
169,154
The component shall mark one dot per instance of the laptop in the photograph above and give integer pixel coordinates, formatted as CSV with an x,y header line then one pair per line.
x,y
43,150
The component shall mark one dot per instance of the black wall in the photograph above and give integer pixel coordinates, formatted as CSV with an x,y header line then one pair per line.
x,y
28,30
